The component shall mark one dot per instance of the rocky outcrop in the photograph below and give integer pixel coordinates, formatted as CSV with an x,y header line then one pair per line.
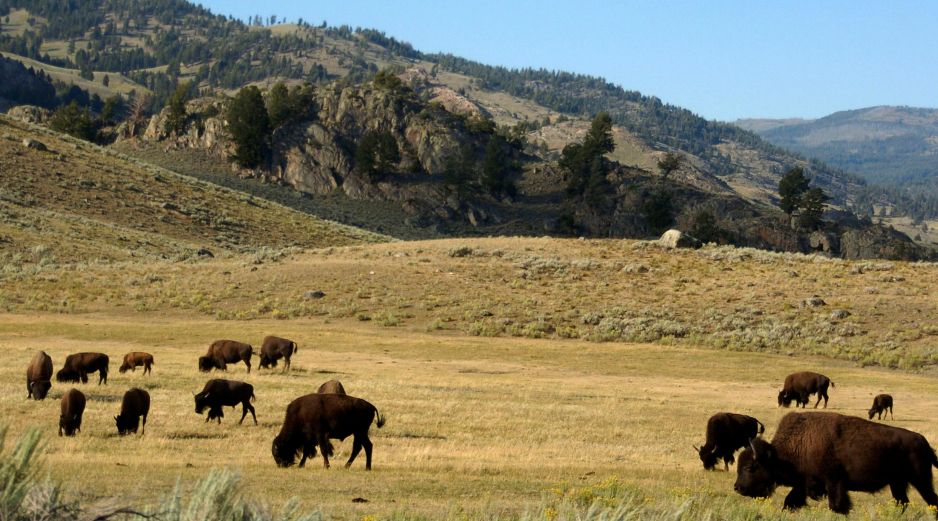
x,y
677,239
30,114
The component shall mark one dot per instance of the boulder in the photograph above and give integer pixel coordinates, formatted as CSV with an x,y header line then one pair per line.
x,y
840,314
35,145
313,295
678,239
813,302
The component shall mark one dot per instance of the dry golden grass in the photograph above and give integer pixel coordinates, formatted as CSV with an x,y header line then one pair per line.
x,y
481,426
78,201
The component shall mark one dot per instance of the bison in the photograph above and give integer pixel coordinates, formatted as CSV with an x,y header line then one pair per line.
x,y
73,406
818,454
224,352
39,376
136,403
78,365
314,419
135,359
275,348
331,387
881,403
726,433
218,393
799,386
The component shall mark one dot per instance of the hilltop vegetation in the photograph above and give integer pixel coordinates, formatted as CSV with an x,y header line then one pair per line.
x,y
75,202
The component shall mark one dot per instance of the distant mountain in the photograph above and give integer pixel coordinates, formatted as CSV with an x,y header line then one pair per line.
x,y
886,145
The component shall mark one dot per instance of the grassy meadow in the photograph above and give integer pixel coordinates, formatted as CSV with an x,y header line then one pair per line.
x,y
521,378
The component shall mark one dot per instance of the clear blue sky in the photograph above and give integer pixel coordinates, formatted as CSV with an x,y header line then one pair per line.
x,y
723,59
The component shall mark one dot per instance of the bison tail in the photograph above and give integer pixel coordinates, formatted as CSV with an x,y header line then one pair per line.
x,y
381,418
295,348
252,396
832,384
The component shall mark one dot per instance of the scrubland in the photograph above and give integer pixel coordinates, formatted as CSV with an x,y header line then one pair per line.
x,y
522,378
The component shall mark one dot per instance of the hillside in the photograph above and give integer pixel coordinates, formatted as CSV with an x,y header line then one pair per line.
x,y
75,202
156,44
886,145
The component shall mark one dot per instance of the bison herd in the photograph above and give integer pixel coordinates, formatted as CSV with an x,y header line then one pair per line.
x,y
311,421
821,454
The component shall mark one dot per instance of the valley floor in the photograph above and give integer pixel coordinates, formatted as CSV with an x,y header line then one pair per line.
x,y
477,427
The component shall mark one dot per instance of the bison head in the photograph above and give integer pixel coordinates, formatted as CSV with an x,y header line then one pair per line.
x,y
708,457
755,475
784,399
69,425
67,375
201,402
284,452
206,364
872,411
126,425
124,368
40,389
267,362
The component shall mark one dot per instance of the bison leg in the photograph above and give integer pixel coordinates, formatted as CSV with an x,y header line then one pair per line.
x,y
900,492
309,451
143,428
797,498
247,362
891,417
356,448
286,364
925,488
325,448
245,407
366,443
837,497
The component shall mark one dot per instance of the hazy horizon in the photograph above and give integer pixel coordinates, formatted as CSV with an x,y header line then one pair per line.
x,y
724,60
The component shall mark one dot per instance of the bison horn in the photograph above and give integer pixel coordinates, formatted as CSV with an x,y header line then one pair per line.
x,y
696,448
755,454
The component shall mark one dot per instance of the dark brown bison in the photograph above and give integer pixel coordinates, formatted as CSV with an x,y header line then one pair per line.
x,y
800,386
73,406
39,376
136,404
224,352
314,419
881,403
331,387
78,365
726,433
275,348
818,454
135,359
218,393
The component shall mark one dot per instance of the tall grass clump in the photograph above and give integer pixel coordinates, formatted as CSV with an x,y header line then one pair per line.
x,y
23,496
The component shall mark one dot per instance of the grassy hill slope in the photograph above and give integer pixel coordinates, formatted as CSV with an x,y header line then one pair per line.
x,y
79,202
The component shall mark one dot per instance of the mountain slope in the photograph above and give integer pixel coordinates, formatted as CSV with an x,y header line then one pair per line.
x,y
888,145
76,201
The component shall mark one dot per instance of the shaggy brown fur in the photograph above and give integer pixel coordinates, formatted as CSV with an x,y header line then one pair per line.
x,y
218,393
136,403
39,376
224,352
726,433
274,348
314,419
881,403
135,359
818,454
73,406
78,365
331,387
799,387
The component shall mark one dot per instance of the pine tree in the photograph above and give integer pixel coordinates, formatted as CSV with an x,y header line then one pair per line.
x,y
176,118
376,155
497,169
812,205
278,104
249,126
75,121
669,163
790,187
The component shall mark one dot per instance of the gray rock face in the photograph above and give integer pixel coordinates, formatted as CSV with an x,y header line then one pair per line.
x,y
840,314
678,239
813,302
30,114
35,145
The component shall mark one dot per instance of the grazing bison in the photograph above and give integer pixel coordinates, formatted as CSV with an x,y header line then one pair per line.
x,y
136,403
218,393
726,433
818,454
331,387
73,406
224,352
799,386
314,419
881,403
274,349
135,359
78,365
39,376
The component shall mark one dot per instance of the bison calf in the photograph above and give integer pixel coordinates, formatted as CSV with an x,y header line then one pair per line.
x,y
830,454
134,360
275,348
73,406
726,433
78,365
881,403
331,387
224,352
314,419
218,393
799,387
39,376
136,404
